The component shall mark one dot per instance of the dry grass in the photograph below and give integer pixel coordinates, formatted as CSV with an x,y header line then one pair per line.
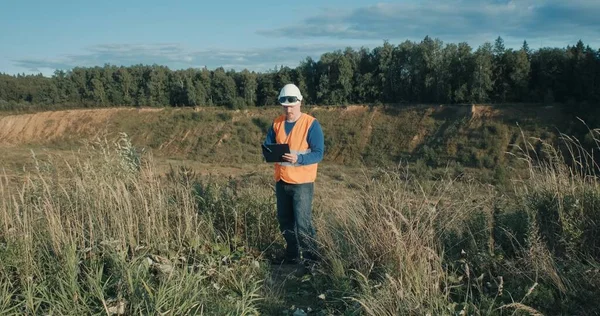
x,y
106,233
561,196
386,241
110,235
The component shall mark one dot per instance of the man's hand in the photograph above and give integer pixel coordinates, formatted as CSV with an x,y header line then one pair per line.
x,y
293,158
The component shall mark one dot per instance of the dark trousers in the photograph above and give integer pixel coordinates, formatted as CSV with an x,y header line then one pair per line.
x,y
294,213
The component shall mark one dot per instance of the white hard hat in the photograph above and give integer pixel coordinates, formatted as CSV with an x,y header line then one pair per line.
x,y
290,95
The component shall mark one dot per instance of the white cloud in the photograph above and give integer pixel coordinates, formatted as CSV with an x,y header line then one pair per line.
x,y
541,22
177,56
457,20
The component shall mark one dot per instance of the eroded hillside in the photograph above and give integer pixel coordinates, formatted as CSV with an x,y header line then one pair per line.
x,y
477,135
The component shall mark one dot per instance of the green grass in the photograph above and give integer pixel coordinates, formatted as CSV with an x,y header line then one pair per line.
x,y
104,232
110,234
354,136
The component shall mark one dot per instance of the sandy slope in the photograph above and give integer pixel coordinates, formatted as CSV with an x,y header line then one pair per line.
x,y
50,125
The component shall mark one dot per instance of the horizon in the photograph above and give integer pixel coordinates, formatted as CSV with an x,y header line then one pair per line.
x,y
261,37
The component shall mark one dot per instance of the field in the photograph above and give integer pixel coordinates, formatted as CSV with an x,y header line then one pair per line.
x,y
419,211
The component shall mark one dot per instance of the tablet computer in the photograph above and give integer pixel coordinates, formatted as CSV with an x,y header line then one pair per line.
x,y
275,152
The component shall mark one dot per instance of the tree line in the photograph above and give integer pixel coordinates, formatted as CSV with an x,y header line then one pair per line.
x,y
428,71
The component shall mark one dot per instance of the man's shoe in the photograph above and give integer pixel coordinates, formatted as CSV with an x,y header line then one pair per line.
x,y
284,260
290,260
310,257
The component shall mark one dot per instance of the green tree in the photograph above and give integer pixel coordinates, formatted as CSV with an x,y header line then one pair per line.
x,y
405,72
124,80
548,75
519,75
157,86
448,78
203,87
64,86
223,88
283,76
500,71
98,92
79,83
247,87
267,93
525,48
482,76
337,74
323,93
365,85
462,65
307,80
384,70
425,71
346,65
432,68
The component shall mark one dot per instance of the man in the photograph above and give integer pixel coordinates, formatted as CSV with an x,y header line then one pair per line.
x,y
295,177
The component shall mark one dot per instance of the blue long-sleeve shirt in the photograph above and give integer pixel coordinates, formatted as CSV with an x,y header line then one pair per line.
x,y
315,140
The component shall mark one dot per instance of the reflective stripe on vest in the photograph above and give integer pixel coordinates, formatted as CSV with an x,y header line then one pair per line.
x,y
297,152
297,140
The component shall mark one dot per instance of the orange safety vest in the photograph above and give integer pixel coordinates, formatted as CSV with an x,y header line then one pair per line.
x,y
286,171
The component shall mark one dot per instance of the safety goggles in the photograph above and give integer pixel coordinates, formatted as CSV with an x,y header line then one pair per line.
x,y
290,99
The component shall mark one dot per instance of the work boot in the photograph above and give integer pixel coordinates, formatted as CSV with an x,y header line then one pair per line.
x,y
285,259
310,257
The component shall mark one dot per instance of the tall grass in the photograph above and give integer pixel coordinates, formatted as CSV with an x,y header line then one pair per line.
x,y
108,235
404,247
384,247
561,197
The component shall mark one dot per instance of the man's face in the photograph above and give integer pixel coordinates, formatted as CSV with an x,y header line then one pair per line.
x,y
291,111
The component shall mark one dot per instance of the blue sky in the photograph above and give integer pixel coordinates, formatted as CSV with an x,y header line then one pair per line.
x,y
40,36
